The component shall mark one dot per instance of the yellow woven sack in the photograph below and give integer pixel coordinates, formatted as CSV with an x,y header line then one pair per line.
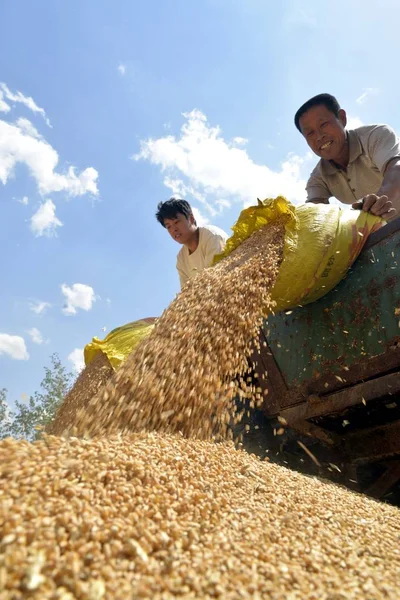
x,y
321,243
119,343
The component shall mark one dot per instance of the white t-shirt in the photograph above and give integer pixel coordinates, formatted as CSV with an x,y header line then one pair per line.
x,y
211,242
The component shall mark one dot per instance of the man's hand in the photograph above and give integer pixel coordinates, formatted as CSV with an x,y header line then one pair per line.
x,y
379,206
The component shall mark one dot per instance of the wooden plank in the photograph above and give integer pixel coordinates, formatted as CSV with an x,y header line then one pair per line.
x,y
336,402
374,443
273,380
387,480
304,427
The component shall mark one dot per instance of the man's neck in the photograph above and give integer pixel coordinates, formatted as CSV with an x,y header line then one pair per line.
x,y
193,242
342,160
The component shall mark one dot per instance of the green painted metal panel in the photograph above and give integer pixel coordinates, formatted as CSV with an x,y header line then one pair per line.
x,y
354,321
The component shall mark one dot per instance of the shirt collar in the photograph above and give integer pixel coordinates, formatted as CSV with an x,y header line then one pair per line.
x,y
355,150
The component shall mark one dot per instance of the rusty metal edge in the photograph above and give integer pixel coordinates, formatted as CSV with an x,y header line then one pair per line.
x,y
339,401
381,234
343,379
386,481
274,381
374,443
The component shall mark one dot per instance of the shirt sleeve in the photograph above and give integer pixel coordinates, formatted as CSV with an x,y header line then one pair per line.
x,y
317,189
183,277
383,146
215,244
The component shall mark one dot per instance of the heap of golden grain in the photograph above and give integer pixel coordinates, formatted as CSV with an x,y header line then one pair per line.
x,y
143,506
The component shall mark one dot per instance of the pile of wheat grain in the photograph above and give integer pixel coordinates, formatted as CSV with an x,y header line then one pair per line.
x,y
159,517
183,377
93,377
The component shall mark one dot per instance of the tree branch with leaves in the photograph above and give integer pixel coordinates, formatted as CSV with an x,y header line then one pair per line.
x,y
28,419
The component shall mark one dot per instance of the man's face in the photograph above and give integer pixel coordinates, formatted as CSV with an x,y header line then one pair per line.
x,y
180,229
324,133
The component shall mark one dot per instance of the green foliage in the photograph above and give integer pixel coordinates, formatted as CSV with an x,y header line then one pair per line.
x,y
4,414
29,418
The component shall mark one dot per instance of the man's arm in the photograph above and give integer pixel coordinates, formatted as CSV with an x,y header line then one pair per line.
x,y
317,190
183,276
391,182
384,151
386,202
215,245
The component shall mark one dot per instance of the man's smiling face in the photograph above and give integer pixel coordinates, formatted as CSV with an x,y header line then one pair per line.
x,y
324,132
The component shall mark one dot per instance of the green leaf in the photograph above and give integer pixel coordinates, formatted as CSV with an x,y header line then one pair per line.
x,y
29,418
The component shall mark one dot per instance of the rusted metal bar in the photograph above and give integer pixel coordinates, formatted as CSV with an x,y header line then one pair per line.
x,y
382,234
364,370
387,480
304,427
374,443
270,377
318,406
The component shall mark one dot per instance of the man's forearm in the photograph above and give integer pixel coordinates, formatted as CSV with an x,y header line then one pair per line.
x,y
391,183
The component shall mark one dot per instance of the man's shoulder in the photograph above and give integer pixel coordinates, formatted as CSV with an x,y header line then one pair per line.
x,y
378,129
210,231
317,170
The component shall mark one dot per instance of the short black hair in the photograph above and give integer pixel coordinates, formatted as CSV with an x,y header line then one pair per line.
x,y
171,208
325,99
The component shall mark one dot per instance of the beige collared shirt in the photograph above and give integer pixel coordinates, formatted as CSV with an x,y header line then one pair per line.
x,y
371,148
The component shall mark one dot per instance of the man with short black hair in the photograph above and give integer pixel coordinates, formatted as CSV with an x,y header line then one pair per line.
x,y
360,167
199,244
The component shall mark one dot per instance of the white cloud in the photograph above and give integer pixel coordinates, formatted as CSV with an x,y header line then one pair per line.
x,y
201,163
4,107
13,346
76,357
24,200
36,336
28,128
39,307
79,295
44,221
122,69
180,189
25,100
366,94
223,203
201,219
240,141
20,142
354,122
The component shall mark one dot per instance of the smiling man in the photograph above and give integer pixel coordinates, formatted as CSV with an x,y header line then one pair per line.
x,y
359,166
199,244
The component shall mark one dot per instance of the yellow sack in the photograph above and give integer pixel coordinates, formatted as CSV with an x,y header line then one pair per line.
x,y
321,243
119,343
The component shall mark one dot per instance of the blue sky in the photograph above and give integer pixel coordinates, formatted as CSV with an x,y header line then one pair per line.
x,y
122,104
